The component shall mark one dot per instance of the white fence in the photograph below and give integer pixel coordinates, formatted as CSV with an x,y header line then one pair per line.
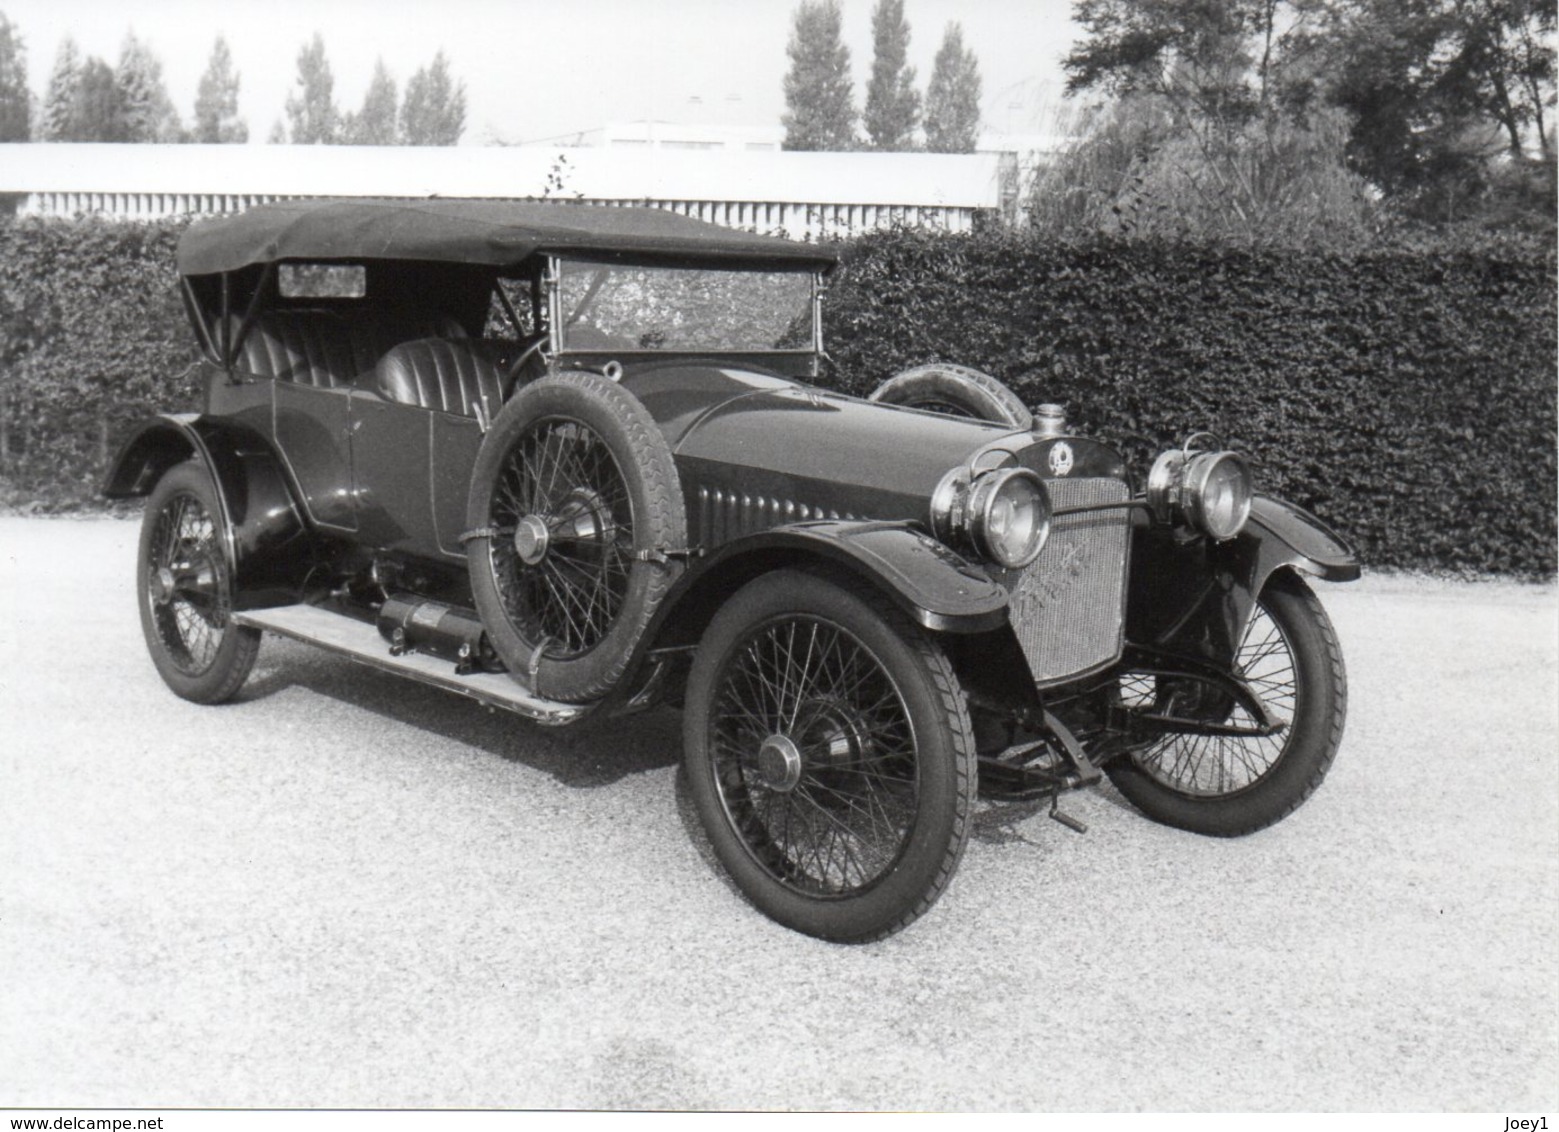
x,y
802,194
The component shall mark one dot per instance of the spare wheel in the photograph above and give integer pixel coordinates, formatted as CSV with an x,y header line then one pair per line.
x,y
576,520
958,391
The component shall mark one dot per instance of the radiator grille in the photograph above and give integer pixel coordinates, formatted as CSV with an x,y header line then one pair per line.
x,y
1068,608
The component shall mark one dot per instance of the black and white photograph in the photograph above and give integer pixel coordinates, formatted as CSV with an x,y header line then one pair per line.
x,y
778,556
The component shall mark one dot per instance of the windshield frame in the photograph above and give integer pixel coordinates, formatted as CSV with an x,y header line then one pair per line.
x,y
552,287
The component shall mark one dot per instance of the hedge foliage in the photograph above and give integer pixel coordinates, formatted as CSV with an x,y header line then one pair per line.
x,y
92,338
1406,396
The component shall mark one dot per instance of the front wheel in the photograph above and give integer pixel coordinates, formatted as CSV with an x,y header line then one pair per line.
x,y
1229,785
830,757
186,592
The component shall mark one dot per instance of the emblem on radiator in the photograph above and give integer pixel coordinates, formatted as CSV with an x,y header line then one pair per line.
x,y
1060,459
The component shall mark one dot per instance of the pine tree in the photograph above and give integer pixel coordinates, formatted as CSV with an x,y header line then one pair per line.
x,y
892,103
953,96
15,102
311,109
59,103
374,124
216,101
820,106
98,110
149,115
434,112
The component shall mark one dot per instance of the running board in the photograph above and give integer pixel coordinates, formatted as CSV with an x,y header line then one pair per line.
x,y
360,641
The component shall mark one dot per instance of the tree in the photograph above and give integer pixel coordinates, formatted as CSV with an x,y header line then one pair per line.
x,y
1217,131
98,112
953,96
59,102
892,103
434,112
15,100
216,101
1448,99
820,106
374,124
311,110
149,115
1223,62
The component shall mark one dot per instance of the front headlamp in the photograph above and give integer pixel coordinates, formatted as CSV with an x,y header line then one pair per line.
x,y
1002,514
1211,490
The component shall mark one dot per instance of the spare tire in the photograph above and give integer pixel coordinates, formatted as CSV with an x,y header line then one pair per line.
x,y
574,503
958,391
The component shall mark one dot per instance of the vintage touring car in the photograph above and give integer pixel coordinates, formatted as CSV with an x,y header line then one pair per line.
x,y
569,461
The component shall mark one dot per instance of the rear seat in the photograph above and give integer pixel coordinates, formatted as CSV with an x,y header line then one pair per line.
x,y
327,349
451,377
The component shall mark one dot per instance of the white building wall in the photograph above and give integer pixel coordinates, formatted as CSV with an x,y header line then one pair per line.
x,y
803,194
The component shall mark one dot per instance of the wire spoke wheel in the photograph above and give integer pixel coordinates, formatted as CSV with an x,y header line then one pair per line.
x,y
185,584
1221,765
829,755
186,592
574,502
1227,785
564,575
814,757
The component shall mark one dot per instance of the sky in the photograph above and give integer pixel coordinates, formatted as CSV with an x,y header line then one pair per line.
x,y
539,70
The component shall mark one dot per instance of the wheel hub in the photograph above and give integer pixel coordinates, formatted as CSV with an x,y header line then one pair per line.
x,y
195,579
779,763
582,517
835,732
161,585
531,537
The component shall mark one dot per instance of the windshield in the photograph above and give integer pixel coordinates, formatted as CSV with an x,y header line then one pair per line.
x,y
691,310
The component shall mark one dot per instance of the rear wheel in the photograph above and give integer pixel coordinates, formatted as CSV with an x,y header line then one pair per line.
x,y
1225,785
186,594
829,756
956,391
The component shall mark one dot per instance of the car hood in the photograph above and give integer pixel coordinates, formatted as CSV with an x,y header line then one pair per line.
x,y
750,430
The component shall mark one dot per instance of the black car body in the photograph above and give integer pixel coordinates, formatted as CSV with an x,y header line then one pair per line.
x,y
567,460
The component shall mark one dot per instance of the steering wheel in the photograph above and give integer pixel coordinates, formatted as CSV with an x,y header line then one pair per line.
x,y
533,350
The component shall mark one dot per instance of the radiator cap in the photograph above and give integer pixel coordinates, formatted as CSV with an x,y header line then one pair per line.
x,y
1050,420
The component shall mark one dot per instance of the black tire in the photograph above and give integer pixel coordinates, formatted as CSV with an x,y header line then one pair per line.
x,y
185,593
580,460
956,391
852,826
1225,786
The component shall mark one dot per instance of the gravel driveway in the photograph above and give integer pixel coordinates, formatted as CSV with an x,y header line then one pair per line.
x,y
349,890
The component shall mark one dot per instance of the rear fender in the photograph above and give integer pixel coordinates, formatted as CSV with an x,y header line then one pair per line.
x,y
1194,597
268,545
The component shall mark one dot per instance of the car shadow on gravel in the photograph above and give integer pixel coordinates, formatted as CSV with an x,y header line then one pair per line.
x,y
585,755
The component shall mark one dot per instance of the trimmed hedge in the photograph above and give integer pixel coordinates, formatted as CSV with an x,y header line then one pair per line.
x,y
1406,396
92,338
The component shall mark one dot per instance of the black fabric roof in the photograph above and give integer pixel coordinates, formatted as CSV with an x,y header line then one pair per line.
x,y
492,233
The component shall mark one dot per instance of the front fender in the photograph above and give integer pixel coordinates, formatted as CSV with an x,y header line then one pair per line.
x,y
269,546
1194,597
1281,534
930,583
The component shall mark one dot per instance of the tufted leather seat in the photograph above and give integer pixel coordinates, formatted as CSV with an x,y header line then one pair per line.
x,y
325,349
452,377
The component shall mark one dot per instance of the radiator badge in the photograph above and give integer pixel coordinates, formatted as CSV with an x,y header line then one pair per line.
x,y
1060,459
